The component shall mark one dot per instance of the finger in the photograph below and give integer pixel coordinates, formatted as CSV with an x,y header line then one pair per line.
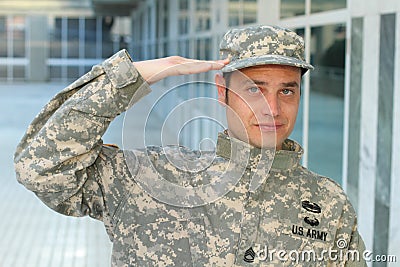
x,y
194,66
215,63
219,64
224,61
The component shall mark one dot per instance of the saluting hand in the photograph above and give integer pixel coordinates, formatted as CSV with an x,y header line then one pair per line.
x,y
157,69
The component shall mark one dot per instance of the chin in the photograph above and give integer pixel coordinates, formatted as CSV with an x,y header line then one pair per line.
x,y
269,143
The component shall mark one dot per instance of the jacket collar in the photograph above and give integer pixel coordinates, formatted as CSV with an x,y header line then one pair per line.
x,y
256,158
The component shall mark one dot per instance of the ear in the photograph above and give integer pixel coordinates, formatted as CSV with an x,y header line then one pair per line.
x,y
221,87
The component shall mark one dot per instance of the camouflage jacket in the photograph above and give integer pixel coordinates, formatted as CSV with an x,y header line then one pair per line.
x,y
261,208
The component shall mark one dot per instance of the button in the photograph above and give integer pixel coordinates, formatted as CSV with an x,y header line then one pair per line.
x,y
97,208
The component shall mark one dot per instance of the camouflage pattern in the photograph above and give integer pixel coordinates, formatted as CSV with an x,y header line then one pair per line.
x,y
261,45
62,160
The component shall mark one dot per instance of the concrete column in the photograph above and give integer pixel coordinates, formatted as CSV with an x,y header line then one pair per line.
x,y
369,124
221,7
384,129
394,215
173,20
152,28
353,148
268,12
373,127
37,48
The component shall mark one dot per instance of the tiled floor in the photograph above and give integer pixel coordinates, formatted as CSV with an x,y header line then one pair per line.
x,y
32,235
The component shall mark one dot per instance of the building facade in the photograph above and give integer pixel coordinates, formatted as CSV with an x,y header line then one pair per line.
x,y
350,113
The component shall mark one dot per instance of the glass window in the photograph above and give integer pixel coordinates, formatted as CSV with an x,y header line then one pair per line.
x,y
203,5
73,37
162,18
141,26
87,68
200,48
56,37
12,45
203,49
3,71
3,37
12,27
183,25
73,32
234,12
55,72
183,48
242,12
107,41
18,35
73,72
165,49
151,50
183,17
207,49
249,11
121,33
203,19
84,38
165,25
19,72
325,5
328,45
90,37
183,4
292,8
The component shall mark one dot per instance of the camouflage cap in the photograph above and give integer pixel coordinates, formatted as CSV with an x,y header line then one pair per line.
x,y
262,45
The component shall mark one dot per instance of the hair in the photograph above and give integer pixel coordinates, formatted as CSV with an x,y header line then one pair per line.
x,y
227,78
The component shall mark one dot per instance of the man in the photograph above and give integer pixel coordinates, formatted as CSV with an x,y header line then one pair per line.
x,y
251,205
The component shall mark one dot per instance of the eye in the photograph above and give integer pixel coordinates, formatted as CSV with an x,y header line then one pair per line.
x,y
253,90
287,92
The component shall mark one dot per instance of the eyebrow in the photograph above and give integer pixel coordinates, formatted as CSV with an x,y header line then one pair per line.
x,y
286,84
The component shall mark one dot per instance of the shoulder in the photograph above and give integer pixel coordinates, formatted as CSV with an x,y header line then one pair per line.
x,y
176,155
171,156
327,193
177,162
325,185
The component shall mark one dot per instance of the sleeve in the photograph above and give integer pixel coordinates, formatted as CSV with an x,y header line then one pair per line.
x,y
356,248
348,247
349,243
61,157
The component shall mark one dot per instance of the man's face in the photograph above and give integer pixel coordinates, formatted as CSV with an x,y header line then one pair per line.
x,y
262,103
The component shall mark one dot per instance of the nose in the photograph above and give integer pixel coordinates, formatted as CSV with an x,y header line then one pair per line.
x,y
271,105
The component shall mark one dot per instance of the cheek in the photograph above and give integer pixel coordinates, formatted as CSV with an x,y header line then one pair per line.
x,y
241,110
291,112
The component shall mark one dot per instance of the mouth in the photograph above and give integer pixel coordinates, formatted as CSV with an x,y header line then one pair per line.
x,y
269,127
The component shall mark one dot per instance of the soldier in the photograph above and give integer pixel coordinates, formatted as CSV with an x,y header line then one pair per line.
x,y
251,204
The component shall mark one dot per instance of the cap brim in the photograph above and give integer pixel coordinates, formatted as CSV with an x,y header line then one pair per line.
x,y
267,60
